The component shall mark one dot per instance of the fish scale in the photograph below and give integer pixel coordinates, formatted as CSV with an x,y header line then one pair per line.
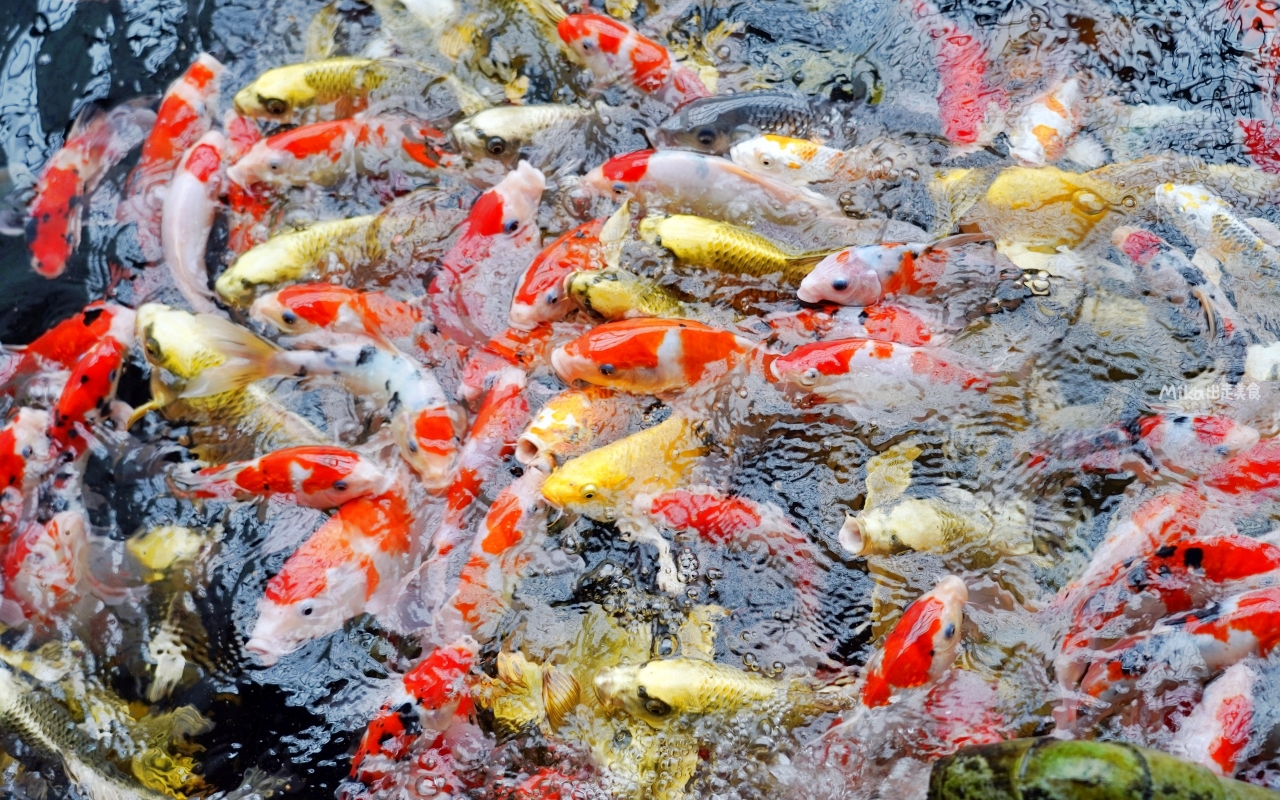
x,y
718,245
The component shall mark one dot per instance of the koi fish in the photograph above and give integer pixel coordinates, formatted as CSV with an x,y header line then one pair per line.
x,y
283,93
26,453
423,422
91,386
45,563
499,552
317,477
324,152
614,293
1210,223
1045,127
60,347
185,115
1256,469
351,564
189,207
714,124
1168,273
650,356
971,108
428,697
849,369
248,218
726,248
1216,734
501,233
512,347
864,275
309,307
615,52
575,422
1190,445
799,162
541,296
884,322
921,647
96,143
506,130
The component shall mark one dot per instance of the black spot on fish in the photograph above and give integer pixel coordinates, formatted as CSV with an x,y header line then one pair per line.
x,y
84,379
1166,551
91,316
1193,557
367,354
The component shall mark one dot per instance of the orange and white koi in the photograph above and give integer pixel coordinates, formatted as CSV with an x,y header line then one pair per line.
x,y
424,423
852,369
681,182
799,162
499,553
26,454
1217,733
242,133
1254,470
541,296
512,347
921,647
248,218
309,307
325,152
45,564
60,347
189,208
502,415
501,234
884,322
315,476
95,144
650,356
971,109
350,565
185,115
574,422
91,386
429,697
866,274
615,52
1045,127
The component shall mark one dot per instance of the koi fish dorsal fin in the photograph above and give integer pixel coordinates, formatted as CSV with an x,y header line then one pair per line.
x,y
889,473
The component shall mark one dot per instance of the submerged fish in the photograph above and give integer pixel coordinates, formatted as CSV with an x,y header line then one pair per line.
x,y
727,248
319,477
505,131
715,124
187,217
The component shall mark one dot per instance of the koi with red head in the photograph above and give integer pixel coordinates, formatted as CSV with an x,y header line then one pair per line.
x,y
921,647
866,274
650,356
308,307
184,116
849,369
616,52
316,476
541,296
189,208
94,145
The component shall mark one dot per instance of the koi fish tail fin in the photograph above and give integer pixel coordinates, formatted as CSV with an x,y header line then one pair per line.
x,y
249,358
961,239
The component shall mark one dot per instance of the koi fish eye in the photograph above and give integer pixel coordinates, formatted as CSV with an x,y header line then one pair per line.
x,y
273,105
289,318
706,136
949,630
653,705
586,45
619,189
152,347
340,485
512,225
307,609
495,145
766,161
606,369
553,297
589,491
809,377
274,164
840,284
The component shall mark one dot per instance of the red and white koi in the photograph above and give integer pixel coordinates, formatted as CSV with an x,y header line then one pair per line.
x,y
91,387
683,182
971,109
310,307
541,296
884,322
799,162
350,565
26,454
865,275
1166,272
96,143
728,520
921,647
189,208
499,553
512,347
852,369
1217,732
45,564
424,423
325,152
430,696
616,53
501,234
185,115
1190,445
248,218
315,476
650,356
1046,126
1250,471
